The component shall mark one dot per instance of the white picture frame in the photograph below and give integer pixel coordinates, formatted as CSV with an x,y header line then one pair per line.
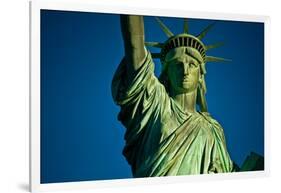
x,y
88,6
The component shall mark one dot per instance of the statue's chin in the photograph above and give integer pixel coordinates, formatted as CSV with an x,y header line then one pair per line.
x,y
185,89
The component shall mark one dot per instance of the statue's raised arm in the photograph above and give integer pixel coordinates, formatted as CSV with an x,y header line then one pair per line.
x,y
133,35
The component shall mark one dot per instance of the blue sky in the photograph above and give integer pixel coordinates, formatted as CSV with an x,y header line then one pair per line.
x,y
81,138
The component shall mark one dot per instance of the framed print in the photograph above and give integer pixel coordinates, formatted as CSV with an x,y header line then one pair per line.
x,y
121,96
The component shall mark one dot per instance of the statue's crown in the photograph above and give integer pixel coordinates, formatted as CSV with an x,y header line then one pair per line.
x,y
184,40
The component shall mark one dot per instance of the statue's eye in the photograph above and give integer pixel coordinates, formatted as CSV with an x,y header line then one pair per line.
x,y
192,64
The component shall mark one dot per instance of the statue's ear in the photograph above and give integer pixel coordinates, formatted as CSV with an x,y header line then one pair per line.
x,y
201,76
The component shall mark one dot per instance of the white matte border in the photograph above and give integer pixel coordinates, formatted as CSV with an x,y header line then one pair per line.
x,y
90,6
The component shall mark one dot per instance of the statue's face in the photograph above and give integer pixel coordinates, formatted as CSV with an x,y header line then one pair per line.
x,y
183,73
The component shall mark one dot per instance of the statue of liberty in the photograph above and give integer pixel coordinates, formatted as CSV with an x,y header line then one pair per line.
x,y
165,133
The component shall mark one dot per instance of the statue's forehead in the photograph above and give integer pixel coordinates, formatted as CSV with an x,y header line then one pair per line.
x,y
182,53
182,58
177,52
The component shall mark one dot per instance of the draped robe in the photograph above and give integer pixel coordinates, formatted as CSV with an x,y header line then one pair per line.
x,y
162,139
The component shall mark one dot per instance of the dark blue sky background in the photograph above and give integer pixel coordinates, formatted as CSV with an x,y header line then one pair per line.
x,y
81,138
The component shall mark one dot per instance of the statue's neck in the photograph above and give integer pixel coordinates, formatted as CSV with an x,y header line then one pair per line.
x,y
186,100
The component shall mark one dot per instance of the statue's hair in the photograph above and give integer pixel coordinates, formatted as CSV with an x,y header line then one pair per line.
x,y
164,79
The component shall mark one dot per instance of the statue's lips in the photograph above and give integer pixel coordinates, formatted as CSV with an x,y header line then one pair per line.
x,y
186,79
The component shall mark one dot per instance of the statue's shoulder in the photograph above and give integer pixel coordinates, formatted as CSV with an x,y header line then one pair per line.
x,y
210,119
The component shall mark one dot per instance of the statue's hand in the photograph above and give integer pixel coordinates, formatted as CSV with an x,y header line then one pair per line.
x,y
133,36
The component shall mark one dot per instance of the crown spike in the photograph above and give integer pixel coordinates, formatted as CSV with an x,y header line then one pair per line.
x,y
185,26
216,59
216,45
205,31
164,28
154,44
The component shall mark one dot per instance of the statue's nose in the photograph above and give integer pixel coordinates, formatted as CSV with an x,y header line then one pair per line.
x,y
186,68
